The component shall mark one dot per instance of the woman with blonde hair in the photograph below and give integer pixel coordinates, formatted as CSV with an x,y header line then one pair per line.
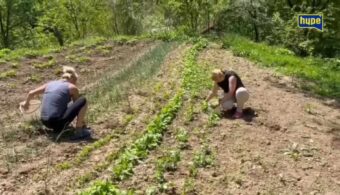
x,y
233,88
55,112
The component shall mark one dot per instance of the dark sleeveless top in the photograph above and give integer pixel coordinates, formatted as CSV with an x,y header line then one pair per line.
x,y
225,83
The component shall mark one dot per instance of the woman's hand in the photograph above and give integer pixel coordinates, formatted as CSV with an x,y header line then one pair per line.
x,y
213,93
25,105
31,94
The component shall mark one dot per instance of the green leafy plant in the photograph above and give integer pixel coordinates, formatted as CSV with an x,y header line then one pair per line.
x,y
167,163
102,187
204,157
183,137
213,119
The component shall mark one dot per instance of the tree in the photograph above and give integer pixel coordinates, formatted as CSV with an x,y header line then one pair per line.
x,y
15,16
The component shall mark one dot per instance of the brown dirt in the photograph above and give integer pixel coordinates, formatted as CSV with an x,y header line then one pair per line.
x,y
25,157
15,89
253,156
42,174
287,144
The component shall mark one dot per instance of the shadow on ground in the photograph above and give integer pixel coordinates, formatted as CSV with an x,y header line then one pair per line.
x,y
248,114
63,136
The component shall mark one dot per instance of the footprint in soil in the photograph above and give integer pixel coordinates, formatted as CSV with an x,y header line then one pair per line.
x,y
248,114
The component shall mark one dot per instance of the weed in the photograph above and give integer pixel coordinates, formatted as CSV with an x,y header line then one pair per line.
x,y
89,148
182,136
293,152
189,114
193,171
127,39
167,163
153,190
64,166
102,187
8,74
238,180
127,119
34,78
15,65
189,186
46,65
31,127
205,107
88,42
204,157
213,119
309,108
85,178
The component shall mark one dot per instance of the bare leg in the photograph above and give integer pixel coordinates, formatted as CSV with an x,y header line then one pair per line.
x,y
226,102
81,117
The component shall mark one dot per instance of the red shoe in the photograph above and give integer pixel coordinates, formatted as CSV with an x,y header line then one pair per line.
x,y
237,115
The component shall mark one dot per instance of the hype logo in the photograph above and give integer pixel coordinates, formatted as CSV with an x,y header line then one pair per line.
x,y
311,21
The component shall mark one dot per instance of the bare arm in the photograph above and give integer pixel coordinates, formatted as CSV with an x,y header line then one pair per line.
x,y
33,93
74,91
232,86
213,92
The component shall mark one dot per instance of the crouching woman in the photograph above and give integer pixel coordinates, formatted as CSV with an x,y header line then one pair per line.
x,y
233,88
56,113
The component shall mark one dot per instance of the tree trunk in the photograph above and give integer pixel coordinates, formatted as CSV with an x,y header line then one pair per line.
x,y
257,38
59,35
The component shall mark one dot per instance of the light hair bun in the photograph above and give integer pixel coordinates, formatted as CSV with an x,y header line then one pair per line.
x,y
69,72
215,73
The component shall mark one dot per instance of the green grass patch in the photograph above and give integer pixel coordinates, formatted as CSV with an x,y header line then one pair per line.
x,y
78,59
321,76
129,39
88,42
64,166
13,55
46,65
8,74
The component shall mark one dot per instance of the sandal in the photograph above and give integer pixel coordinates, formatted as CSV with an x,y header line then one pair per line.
x,y
238,115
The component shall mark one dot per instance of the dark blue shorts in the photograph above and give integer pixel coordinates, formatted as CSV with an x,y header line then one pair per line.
x,y
70,114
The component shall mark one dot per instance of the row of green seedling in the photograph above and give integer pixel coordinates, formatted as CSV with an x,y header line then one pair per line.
x,y
130,156
126,163
192,83
128,159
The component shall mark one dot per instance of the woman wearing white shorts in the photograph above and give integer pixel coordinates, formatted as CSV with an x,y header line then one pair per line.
x,y
234,91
